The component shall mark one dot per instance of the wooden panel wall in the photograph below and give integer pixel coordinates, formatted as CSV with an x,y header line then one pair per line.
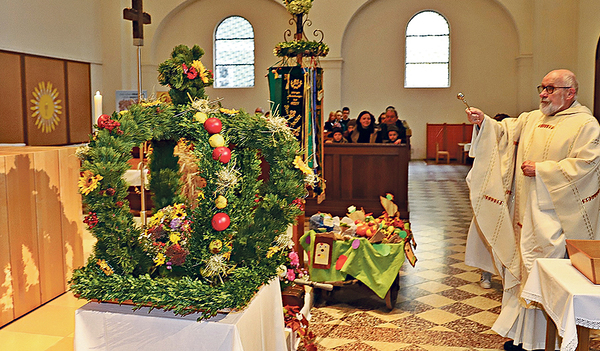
x,y
36,215
11,104
70,201
49,226
357,174
22,232
448,136
6,281
59,89
79,102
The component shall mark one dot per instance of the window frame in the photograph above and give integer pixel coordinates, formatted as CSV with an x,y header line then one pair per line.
x,y
406,52
216,64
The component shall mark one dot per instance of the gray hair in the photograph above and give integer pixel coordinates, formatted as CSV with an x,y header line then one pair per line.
x,y
570,80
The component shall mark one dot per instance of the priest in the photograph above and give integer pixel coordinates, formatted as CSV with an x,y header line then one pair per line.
x,y
535,182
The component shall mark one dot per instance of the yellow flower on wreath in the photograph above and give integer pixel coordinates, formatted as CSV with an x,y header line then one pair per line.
x,y
159,260
156,218
174,238
197,64
105,267
88,182
179,211
227,255
272,251
228,111
151,103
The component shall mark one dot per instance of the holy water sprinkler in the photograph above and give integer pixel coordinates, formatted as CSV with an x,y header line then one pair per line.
x,y
461,97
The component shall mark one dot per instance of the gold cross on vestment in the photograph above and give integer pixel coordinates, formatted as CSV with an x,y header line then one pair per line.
x,y
137,15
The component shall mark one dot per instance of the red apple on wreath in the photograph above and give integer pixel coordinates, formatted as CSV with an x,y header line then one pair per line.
x,y
213,125
220,221
221,154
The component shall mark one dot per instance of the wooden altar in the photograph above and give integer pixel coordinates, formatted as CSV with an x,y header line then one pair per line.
x,y
357,174
40,226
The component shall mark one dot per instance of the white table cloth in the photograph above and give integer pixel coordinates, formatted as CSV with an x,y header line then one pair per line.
x,y
568,297
258,327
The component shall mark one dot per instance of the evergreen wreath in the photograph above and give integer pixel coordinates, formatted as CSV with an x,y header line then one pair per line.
x,y
297,7
205,254
306,48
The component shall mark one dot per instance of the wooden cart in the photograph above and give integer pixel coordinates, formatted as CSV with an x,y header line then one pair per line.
x,y
356,263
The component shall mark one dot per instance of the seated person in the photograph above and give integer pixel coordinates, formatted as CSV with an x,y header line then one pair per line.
x,y
337,137
331,123
365,131
381,118
345,118
392,119
351,127
392,135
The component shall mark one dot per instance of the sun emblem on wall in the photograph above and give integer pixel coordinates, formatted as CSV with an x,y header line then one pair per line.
x,y
46,107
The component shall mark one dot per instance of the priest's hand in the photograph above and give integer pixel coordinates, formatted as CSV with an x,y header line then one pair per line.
x,y
528,168
475,115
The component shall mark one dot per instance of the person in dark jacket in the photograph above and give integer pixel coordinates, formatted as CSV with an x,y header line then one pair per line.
x,y
365,131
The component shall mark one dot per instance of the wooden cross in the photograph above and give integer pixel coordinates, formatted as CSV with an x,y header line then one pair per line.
x,y
137,15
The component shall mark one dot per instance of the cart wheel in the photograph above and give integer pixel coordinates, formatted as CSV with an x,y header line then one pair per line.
x,y
392,295
324,296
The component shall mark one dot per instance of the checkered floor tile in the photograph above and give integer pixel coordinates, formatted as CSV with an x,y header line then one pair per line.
x,y
440,304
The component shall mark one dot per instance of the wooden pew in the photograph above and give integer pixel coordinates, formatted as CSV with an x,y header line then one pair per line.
x,y
357,174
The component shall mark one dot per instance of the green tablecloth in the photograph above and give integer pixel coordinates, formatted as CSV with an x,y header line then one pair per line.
x,y
376,265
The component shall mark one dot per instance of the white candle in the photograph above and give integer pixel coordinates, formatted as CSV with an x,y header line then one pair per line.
x,y
97,106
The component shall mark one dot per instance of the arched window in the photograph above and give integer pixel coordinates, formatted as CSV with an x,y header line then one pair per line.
x,y
427,51
234,53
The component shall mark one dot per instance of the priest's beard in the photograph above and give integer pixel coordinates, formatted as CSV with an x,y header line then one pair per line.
x,y
549,108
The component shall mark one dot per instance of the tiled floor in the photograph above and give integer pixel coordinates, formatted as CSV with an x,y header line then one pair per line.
x,y
440,305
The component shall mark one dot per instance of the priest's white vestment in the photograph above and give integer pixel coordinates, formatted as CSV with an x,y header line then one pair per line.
x,y
517,218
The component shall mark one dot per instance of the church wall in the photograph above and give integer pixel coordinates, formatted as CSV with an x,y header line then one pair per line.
x,y
67,29
484,46
118,68
531,37
555,46
589,33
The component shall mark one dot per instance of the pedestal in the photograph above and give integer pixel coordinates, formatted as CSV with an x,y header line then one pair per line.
x,y
259,326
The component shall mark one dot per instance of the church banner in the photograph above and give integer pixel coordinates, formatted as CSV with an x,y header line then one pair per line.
x,y
297,94
286,85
